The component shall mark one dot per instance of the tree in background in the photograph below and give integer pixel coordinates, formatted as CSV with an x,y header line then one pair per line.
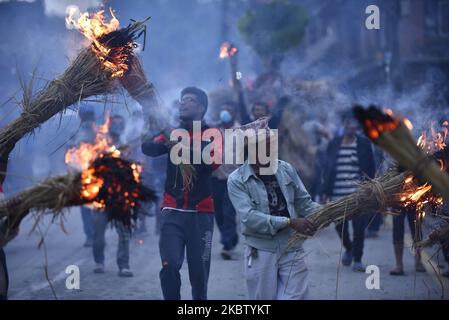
x,y
272,29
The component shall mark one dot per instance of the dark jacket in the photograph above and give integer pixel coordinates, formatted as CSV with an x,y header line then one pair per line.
x,y
199,198
364,154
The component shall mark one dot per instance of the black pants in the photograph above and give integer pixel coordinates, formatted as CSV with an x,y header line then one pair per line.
x,y
375,221
4,280
355,245
399,225
189,232
224,214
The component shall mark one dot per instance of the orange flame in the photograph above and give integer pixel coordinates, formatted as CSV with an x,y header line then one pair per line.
x,y
375,128
419,197
93,27
435,141
227,50
82,157
431,142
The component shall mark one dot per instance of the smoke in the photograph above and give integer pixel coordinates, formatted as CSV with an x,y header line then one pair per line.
x,y
58,7
182,49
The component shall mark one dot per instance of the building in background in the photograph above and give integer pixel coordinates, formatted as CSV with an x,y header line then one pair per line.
x,y
411,47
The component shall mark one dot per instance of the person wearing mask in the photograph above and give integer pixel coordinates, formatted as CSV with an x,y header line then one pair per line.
x,y
224,211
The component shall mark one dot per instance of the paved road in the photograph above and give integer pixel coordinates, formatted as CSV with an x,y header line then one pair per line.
x,y
26,263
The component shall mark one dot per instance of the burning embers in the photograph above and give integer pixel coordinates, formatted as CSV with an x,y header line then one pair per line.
x,y
112,46
420,196
81,157
113,184
107,181
227,50
428,185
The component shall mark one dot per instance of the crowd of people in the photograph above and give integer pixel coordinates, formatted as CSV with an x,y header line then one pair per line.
x,y
322,157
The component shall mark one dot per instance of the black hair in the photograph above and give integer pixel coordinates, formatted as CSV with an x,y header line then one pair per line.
x,y
261,103
199,94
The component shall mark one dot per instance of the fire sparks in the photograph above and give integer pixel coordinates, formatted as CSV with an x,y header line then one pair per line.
x,y
375,122
82,158
436,140
96,28
375,128
91,186
120,191
227,50
420,196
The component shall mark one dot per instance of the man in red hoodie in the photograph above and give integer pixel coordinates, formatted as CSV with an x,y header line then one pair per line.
x,y
187,218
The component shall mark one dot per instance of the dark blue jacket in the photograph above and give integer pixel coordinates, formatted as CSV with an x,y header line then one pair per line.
x,y
364,153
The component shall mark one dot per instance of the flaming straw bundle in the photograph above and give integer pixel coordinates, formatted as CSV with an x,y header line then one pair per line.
x,y
91,73
110,183
393,135
393,189
228,50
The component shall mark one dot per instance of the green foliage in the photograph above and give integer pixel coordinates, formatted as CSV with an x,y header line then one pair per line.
x,y
273,28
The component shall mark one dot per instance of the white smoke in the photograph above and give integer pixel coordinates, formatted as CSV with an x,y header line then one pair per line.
x,y
58,7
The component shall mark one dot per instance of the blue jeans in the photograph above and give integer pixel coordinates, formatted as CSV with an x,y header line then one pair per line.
x,y
100,222
86,216
359,224
224,214
375,221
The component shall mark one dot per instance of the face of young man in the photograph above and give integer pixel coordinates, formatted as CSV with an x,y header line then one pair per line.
x,y
190,109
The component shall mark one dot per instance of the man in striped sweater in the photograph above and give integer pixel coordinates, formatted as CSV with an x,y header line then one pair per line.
x,y
350,159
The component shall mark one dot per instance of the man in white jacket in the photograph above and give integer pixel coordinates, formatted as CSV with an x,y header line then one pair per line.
x,y
271,209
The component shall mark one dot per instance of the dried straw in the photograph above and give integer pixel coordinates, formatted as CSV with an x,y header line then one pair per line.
x,y
52,195
399,143
376,194
83,78
56,194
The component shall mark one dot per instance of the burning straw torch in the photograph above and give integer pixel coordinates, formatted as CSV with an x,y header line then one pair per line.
x,y
396,187
392,134
93,72
99,177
